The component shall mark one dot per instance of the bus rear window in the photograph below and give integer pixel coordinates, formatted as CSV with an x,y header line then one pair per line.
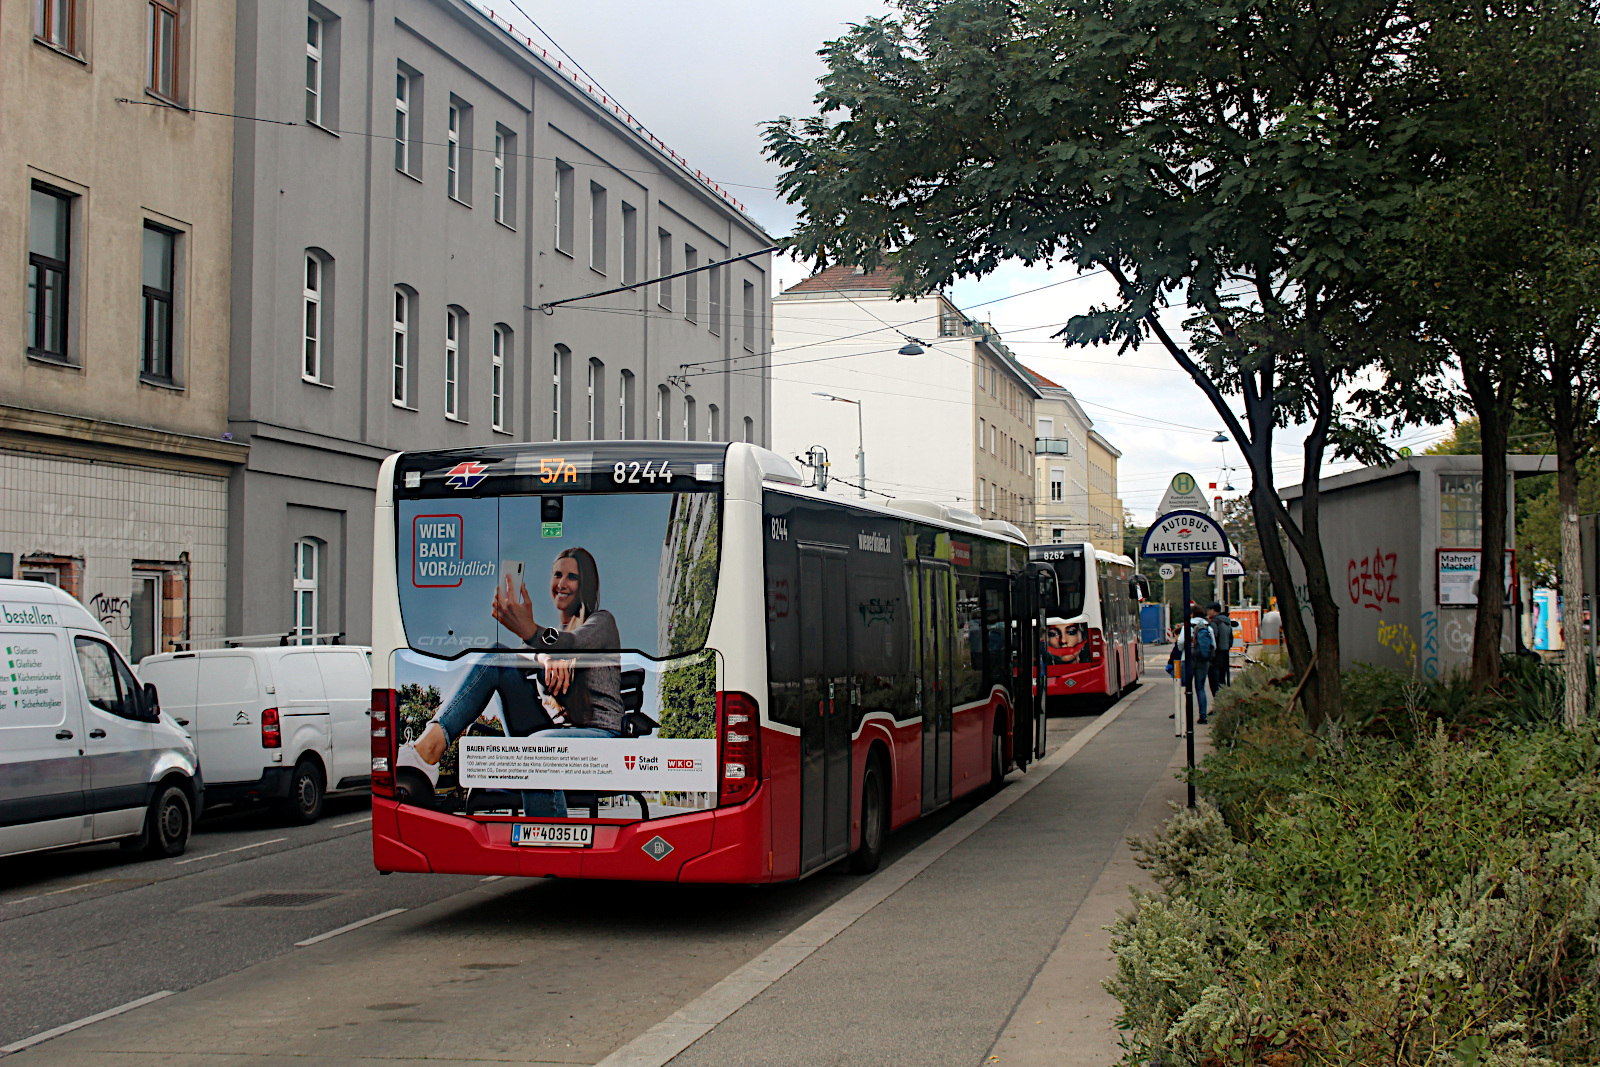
x,y
634,570
1069,582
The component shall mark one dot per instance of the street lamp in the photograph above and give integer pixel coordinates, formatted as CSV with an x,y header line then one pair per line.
x,y
861,448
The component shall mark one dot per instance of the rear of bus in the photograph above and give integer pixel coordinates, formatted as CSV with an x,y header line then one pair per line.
x,y
564,640
1076,653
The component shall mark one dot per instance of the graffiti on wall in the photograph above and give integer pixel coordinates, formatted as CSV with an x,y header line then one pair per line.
x,y
112,611
1430,644
1396,636
1458,632
1371,579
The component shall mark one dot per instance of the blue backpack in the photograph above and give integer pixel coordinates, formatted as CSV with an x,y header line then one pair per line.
x,y
1204,643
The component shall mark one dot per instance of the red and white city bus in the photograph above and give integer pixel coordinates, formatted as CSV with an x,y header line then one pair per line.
x,y
670,661
1093,641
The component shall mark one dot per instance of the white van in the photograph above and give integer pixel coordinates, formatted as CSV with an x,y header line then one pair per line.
x,y
288,724
86,752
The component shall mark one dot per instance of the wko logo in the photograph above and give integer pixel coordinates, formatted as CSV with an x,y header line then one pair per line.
x,y
683,765
466,475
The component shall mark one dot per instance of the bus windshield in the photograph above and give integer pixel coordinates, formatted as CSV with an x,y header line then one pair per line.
x,y
588,560
1069,568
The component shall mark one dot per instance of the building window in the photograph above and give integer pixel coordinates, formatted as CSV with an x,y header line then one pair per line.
x,y
452,362
144,610
749,430
983,431
159,251
595,401
688,418
499,177
663,412
49,252
664,289
1461,510
1058,535
597,227
714,299
713,423
400,392
630,244
452,155
406,113
311,360
625,386
313,70
557,361
982,491
1058,484
749,317
691,284
566,185
161,40
497,377
304,629
55,22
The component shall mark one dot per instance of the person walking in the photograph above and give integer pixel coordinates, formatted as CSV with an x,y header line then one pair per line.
x,y
1198,668
1222,637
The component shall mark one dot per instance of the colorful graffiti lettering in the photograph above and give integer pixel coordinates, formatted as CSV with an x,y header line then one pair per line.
x,y
1396,636
1371,580
1430,644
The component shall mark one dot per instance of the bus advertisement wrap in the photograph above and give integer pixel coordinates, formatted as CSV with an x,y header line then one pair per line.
x,y
558,643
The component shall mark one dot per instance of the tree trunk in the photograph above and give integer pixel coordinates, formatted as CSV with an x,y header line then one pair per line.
x,y
1324,699
1576,655
1489,624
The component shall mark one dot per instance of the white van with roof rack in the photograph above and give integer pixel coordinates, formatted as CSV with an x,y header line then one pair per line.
x,y
86,752
287,724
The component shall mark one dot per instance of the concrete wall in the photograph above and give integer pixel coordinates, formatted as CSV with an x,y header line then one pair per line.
x,y
336,191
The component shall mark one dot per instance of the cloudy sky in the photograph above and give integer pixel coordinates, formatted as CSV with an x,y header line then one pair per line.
x,y
703,76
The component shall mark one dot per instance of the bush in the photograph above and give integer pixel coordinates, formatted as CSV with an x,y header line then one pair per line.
x,y
1420,888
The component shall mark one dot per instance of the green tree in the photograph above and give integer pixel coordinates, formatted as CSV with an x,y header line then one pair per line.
x,y
1232,158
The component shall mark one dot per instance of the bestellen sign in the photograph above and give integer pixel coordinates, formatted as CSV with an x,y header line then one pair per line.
x,y
1185,537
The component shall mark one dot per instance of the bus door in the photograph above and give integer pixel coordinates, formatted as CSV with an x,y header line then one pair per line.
x,y
1040,581
936,629
826,713
1027,694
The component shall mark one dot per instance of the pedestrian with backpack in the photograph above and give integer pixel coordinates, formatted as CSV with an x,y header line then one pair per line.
x,y
1200,655
1222,638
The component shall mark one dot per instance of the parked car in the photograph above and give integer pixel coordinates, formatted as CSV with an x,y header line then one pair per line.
x,y
286,724
86,752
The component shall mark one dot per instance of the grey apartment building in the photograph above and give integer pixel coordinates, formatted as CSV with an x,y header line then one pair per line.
x,y
391,253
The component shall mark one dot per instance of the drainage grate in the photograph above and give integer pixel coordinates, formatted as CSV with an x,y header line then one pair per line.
x,y
279,900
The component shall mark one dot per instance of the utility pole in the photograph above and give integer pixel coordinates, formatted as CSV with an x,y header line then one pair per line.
x,y
861,446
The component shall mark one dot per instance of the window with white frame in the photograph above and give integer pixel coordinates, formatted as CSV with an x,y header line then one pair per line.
x,y
1058,484
499,177
311,357
452,363
557,358
664,288
497,377
713,423
625,386
313,70
630,244
565,194
452,155
597,227
688,418
400,392
714,299
592,413
402,122
749,317
691,284
306,566
663,412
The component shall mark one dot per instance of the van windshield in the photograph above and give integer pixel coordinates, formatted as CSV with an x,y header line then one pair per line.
x,y
607,558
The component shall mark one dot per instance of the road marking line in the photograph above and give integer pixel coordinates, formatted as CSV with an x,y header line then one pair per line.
x,y
29,1042
492,878
72,888
229,852
352,822
670,1037
358,924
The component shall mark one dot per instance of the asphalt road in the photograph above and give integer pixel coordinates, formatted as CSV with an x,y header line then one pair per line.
x,y
90,929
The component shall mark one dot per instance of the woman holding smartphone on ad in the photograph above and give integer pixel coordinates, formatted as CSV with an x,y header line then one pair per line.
x,y
568,700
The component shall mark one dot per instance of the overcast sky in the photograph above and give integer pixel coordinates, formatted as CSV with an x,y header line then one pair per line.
x,y
703,76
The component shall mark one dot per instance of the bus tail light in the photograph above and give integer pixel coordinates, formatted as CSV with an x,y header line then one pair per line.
x,y
385,702
271,730
1094,644
740,747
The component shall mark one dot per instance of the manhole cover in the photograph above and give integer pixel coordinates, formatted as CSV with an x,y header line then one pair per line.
x,y
279,900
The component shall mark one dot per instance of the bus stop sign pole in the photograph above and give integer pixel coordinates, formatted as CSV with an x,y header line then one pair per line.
x,y
1188,683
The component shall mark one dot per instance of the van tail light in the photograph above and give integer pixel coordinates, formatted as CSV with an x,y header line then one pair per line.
x,y
385,703
271,731
739,747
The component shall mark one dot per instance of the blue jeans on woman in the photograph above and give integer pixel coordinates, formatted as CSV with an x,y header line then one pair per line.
x,y
1196,679
521,712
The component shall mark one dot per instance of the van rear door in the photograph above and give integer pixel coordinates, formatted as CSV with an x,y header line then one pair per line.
x,y
41,745
348,682
303,706
227,724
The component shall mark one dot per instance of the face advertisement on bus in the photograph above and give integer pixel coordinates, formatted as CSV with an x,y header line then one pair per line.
x,y
555,623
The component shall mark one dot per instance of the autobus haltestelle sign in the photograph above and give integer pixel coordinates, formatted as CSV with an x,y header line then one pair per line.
x,y
1185,536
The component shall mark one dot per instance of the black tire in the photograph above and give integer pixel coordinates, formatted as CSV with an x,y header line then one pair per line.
x,y
411,786
303,805
874,818
997,759
169,821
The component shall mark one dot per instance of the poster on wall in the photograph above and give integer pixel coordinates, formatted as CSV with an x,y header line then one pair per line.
x,y
1458,576
558,644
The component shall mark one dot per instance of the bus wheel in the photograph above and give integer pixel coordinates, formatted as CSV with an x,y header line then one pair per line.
x,y
874,818
997,760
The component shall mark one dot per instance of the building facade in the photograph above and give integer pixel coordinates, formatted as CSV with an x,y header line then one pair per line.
x,y
393,253
1076,473
953,425
115,201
